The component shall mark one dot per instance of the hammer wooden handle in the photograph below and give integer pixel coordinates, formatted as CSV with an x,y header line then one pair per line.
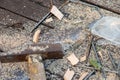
x,y
36,68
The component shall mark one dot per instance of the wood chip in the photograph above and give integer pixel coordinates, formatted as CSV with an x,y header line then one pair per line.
x,y
84,74
49,20
100,54
73,59
69,74
83,58
36,36
56,12
111,76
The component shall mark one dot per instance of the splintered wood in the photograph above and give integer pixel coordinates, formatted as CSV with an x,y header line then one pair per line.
x,y
83,58
69,74
49,20
56,12
36,36
73,59
84,74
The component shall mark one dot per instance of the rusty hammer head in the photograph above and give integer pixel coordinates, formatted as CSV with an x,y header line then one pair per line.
x,y
47,51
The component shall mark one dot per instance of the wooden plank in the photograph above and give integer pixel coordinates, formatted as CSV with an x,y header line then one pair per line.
x,y
111,5
8,18
24,7
34,9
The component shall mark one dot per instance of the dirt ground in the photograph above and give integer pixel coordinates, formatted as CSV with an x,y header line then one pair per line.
x,y
72,28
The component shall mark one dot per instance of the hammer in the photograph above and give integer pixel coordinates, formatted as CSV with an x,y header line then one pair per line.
x,y
36,67
30,54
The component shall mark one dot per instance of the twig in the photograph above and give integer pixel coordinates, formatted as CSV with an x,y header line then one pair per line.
x,y
116,67
51,3
37,25
91,73
107,70
96,54
89,48
112,60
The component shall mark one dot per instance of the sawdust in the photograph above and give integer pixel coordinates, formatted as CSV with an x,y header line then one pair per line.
x,y
10,38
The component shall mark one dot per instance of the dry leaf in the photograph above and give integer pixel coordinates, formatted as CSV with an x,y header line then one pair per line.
x,y
73,59
69,74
